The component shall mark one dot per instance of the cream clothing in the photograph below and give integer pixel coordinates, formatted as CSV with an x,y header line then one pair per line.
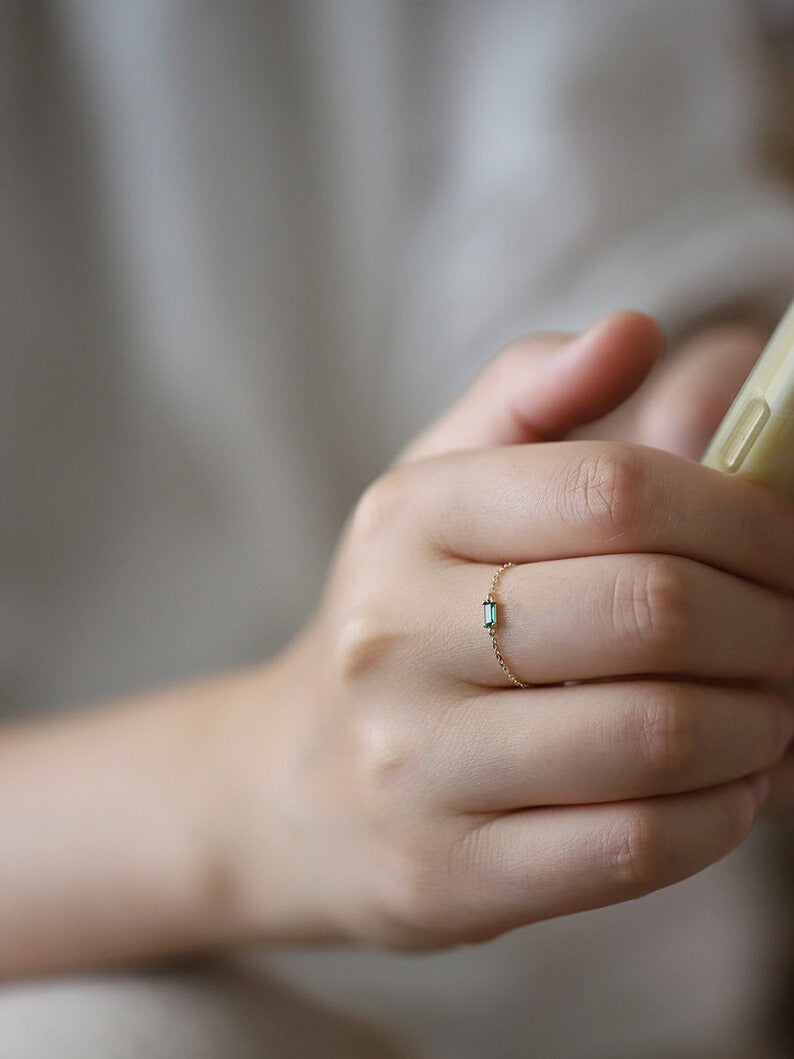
x,y
248,250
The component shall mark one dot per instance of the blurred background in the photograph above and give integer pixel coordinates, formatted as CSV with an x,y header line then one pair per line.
x,y
248,249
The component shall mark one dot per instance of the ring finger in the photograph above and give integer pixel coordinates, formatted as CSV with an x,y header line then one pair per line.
x,y
617,615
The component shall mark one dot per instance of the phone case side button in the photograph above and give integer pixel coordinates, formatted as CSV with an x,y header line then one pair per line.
x,y
744,433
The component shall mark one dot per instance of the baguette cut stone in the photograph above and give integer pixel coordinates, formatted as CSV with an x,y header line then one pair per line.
x,y
489,613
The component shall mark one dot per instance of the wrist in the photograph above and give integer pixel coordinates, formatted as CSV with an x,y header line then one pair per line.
x,y
267,881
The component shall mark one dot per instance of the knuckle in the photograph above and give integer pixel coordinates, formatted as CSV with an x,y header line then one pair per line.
x,y
629,853
668,734
365,643
382,751
382,503
512,354
651,604
416,882
604,492
420,900
513,359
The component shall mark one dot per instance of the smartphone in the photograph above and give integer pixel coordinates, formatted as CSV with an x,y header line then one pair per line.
x,y
756,438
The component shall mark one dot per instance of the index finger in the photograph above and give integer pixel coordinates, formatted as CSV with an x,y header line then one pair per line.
x,y
524,503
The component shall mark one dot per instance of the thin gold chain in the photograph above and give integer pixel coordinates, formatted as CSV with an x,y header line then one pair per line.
x,y
492,630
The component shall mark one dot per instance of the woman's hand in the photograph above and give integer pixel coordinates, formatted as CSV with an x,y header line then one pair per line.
x,y
428,802
381,780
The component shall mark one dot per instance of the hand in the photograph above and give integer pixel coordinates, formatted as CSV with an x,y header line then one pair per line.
x,y
428,802
381,779
678,409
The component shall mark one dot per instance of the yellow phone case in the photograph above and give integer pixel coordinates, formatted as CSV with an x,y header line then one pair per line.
x,y
756,438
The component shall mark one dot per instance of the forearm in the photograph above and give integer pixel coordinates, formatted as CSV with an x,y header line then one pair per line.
x,y
128,832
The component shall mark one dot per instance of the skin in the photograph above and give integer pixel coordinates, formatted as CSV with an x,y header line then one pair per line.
x,y
380,781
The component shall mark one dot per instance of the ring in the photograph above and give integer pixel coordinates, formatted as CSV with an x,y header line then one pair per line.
x,y
489,622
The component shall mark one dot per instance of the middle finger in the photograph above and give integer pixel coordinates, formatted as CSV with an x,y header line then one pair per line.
x,y
617,615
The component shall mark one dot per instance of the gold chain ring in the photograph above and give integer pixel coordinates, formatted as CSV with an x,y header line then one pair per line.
x,y
489,622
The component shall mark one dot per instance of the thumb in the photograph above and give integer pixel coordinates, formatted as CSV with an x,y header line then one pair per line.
x,y
540,388
696,387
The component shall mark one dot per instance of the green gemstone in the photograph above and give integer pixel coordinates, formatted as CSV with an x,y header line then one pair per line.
x,y
489,613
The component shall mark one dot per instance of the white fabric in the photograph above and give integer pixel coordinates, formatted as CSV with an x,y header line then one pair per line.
x,y
215,1010
249,249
